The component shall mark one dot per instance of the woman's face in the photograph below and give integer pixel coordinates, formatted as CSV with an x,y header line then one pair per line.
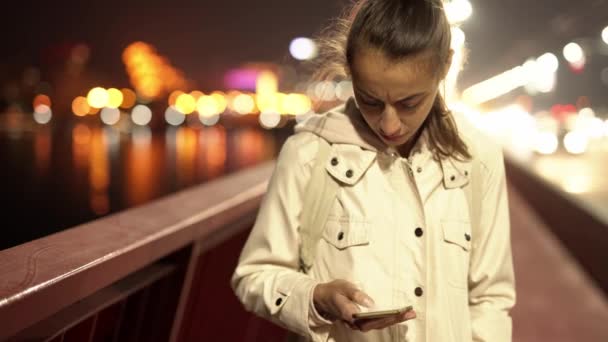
x,y
394,97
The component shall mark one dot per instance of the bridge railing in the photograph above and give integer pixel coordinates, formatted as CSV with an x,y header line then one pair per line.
x,y
158,272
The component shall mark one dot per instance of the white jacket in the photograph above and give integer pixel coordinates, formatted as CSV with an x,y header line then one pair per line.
x,y
399,228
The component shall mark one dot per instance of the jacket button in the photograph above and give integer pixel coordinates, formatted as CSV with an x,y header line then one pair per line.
x,y
418,292
418,232
467,237
419,169
349,173
453,178
466,173
340,236
334,161
279,301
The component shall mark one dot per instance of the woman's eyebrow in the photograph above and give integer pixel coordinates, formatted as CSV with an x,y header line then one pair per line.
x,y
366,94
410,97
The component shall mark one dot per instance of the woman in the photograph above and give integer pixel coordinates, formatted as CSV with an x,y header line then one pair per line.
x,y
400,229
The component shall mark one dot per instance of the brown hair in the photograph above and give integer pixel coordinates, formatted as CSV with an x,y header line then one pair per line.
x,y
400,29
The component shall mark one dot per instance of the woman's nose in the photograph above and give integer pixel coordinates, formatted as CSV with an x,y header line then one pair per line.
x,y
390,124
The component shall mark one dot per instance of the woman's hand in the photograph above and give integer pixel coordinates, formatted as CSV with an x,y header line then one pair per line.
x,y
338,300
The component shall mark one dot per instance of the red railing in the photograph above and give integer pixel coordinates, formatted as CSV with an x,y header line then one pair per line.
x,y
159,272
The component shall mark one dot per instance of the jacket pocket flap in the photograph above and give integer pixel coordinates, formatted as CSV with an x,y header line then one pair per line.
x,y
345,232
457,232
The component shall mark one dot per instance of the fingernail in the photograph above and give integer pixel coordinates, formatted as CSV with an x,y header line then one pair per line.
x,y
410,315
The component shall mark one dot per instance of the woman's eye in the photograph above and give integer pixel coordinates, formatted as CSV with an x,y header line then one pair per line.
x,y
408,105
371,103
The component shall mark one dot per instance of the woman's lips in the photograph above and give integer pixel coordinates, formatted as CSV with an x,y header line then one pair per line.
x,y
392,137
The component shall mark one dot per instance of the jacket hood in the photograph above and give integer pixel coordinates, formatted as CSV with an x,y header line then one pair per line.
x,y
343,125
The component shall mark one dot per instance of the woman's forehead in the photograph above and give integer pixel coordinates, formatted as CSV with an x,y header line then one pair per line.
x,y
378,74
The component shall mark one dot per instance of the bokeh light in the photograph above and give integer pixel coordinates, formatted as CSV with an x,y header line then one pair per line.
x,y
458,37
209,120
207,106
344,90
267,83
605,35
574,53
173,97
115,98
458,11
98,97
141,115
80,106
174,117
548,62
41,99
243,104
196,94
576,142
269,119
546,143
150,73
128,98
220,101
42,114
185,103
296,104
325,91
303,48
110,116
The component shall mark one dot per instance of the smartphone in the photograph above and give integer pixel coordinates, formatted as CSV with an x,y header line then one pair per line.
x,y
381,313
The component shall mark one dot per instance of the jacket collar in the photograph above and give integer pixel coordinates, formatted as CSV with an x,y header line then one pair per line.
x,y
456,173
348,163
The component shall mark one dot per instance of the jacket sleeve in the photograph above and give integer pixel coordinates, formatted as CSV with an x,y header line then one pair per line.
x,y
266,279
491,278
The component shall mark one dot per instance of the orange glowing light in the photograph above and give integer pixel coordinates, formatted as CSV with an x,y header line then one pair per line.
x,y
41,99
128,98
93,110
80,106
150,73
196,94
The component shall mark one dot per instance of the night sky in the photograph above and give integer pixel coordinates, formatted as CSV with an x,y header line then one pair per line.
x,y
205,38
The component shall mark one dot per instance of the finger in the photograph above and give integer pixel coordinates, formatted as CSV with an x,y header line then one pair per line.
x,y
362,298
411,314
378,323
358,296
346,308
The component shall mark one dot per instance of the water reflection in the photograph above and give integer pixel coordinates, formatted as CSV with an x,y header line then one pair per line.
x,y
212,156
185,150
42,150
142,167
99,173
86,170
